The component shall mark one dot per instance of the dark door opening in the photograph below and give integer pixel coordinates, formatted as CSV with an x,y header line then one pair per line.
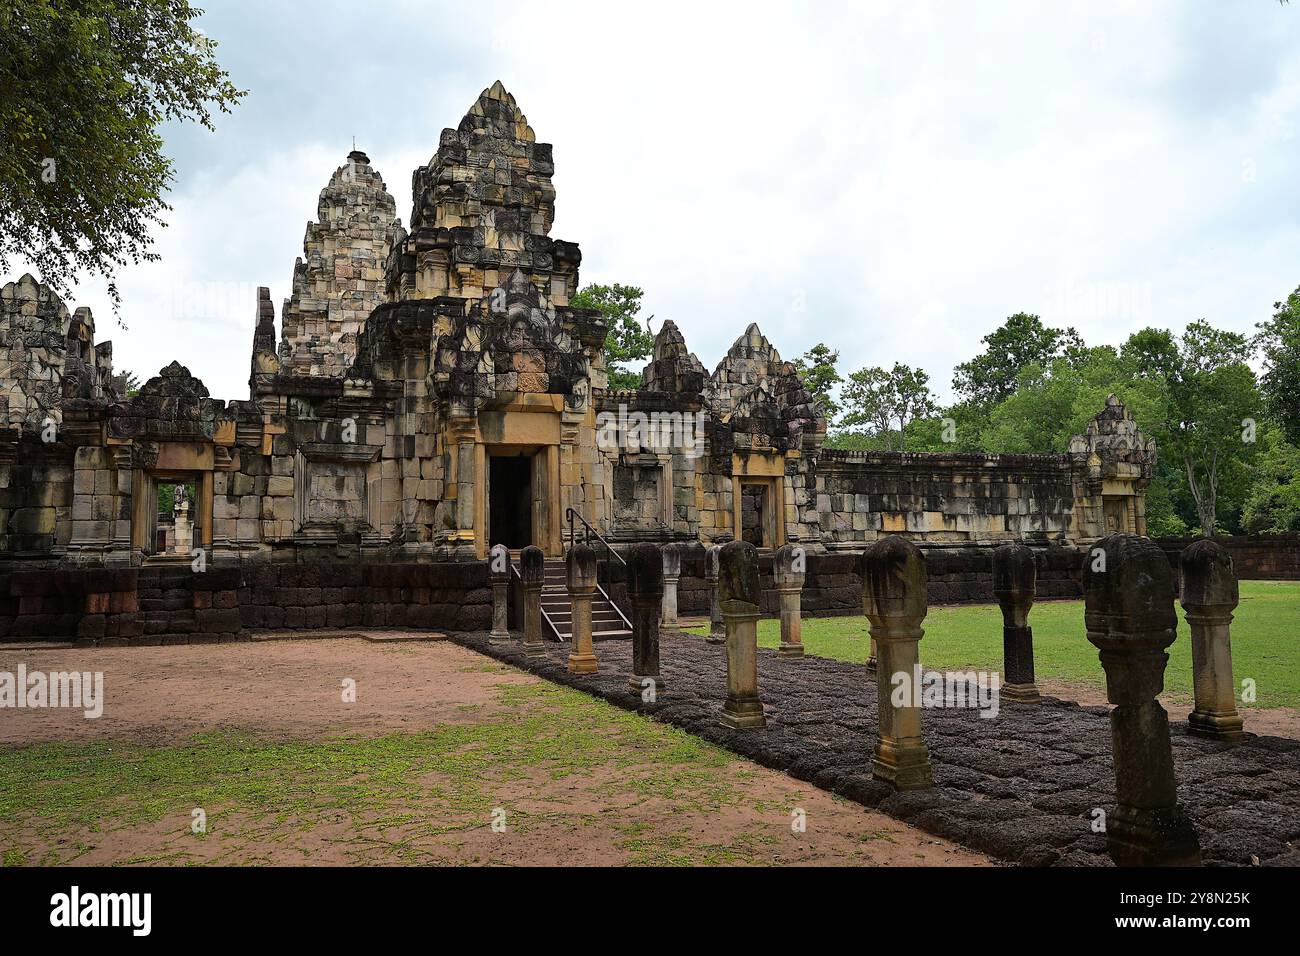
x,y
754,514
510,505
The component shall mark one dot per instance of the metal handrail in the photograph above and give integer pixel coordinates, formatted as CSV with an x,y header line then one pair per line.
x,y
569,515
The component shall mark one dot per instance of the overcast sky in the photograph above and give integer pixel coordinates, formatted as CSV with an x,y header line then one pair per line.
x,y
893,179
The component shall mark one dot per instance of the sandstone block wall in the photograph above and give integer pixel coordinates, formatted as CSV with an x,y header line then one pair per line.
x,y
950,498
1257,557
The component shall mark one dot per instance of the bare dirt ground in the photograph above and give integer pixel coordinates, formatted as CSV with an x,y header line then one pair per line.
x,y
439,744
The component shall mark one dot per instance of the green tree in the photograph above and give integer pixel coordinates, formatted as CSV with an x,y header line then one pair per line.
x,y
886,402
1209,422
84,87
817,367
1273,503
628,340
1021,341
1279,343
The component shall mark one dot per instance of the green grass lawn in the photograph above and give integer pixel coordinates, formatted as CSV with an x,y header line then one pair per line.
x,y
438,782
1264,642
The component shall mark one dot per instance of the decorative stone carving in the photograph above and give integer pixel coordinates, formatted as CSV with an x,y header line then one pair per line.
x,y
1128,592
340,279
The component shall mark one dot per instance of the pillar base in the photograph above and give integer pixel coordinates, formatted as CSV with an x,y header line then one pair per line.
x,y
582,664
1162,837
743,713
534,649
716,637
636,682
790,650
1020,693
871,665
497,638
670,630
1218,726
905,767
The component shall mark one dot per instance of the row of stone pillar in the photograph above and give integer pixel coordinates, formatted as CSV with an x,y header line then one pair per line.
x,y
1129,615
1209,596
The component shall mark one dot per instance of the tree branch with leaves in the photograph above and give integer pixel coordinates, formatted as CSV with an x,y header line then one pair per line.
x,y
84,87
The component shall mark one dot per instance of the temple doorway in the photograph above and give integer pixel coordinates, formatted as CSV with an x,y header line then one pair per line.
x,y
510,500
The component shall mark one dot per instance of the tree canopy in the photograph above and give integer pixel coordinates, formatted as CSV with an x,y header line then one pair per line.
x,y
628,339
84,87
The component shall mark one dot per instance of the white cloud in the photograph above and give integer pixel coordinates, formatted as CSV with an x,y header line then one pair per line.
x,y
915,172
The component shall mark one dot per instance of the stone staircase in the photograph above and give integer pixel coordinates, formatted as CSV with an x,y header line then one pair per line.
x,y
607,622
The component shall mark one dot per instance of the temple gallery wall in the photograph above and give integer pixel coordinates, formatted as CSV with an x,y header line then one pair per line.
x,y
430,392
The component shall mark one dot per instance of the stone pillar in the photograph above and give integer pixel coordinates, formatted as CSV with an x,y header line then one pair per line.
x,y
580,571
739,595
866,609
788,570
672,558
1209,597
1128,591
645,588
499,575
894,595
532,568
717,628
1015,582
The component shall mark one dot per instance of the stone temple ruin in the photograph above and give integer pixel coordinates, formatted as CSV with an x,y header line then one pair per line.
x,y
432,392
434,405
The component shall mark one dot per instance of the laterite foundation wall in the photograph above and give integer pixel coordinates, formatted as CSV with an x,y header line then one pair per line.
x,y
178,606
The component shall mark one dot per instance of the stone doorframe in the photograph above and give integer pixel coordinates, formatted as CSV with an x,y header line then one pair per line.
x,y
547,520
177,461
529,423
766,470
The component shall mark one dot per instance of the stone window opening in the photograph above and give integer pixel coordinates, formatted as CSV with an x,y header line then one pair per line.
x,y
175,517
161,531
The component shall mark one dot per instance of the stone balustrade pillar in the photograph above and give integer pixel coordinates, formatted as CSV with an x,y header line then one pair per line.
x,y
717,628
894,596
645,588
1015,583
532,569
672,558
1209,598
499,575
872,661
788,570
1129,613
580,572
739,595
